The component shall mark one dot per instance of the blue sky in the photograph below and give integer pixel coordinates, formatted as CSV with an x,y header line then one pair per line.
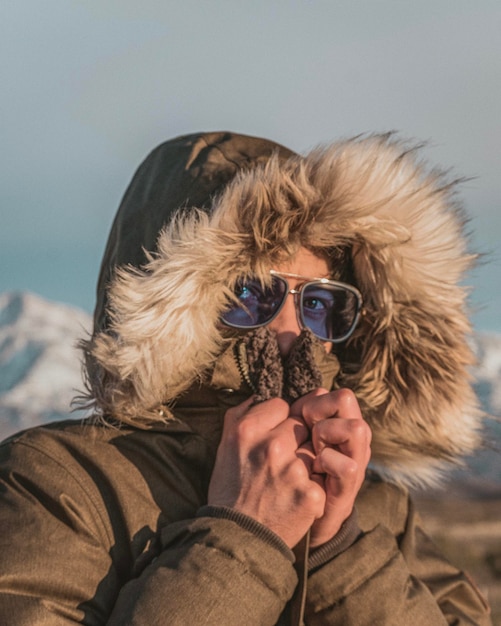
x,y
91,86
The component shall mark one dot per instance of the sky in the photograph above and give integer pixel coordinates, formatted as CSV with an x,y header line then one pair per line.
x,y
91,86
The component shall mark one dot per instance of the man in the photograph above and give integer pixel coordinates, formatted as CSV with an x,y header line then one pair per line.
x,y
263,320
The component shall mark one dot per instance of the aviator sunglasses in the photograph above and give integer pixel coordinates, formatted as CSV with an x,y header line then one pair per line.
x,y
330,309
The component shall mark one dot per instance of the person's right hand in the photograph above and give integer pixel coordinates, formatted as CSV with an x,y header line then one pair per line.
x,y
259,473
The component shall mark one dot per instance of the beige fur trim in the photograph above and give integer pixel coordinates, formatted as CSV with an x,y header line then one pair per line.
x,y
408,361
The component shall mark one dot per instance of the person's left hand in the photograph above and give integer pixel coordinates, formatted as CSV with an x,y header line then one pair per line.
x,y
338,454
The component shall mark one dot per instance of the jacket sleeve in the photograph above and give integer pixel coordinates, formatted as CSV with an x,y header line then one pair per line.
x,y
210,571
54,545
393,580
59,563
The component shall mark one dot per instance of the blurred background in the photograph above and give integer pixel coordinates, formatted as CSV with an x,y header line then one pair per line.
x,y
89,87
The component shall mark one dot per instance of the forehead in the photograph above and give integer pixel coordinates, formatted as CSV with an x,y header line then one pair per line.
x,y
305,263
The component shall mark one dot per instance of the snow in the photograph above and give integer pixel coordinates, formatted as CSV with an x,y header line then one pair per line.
x,y
40,368
488,371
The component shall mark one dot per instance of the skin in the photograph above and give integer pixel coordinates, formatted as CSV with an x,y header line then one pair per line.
x,y
300,467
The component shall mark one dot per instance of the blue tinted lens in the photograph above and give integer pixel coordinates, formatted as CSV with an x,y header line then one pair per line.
x,y
257,303
329,311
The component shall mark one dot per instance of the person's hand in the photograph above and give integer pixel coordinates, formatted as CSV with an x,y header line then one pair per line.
x,y
259,473
340,452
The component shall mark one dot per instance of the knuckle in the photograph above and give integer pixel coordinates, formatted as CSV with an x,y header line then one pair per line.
x,y
275,450
358,428
315,498
361,432
297,473
276,405
246,430
319,391
350,469
346,397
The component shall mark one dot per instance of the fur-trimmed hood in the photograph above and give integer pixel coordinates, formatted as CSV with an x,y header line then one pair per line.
x,y
205,209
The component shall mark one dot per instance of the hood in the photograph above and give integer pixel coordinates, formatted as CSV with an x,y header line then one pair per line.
x,y
206,209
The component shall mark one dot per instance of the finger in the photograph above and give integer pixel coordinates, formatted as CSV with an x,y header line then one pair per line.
x,y
237,412
343,477
275,448
307,455
338,466
297,406
350,436
340,403
293,428
258,418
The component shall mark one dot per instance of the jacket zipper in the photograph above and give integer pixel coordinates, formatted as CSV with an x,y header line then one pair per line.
x,y
241,359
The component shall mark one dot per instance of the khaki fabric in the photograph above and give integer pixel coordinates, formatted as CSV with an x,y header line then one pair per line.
x,y
99,526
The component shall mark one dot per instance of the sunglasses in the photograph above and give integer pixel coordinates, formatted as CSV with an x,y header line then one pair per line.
x,y
330,309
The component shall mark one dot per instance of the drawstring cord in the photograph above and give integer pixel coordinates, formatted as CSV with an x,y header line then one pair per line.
x,y
298,601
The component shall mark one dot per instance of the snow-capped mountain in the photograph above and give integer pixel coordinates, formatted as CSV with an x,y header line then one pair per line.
x,y
40,370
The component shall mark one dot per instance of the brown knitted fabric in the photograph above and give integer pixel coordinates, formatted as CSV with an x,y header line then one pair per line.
x,y
301,373
273,377
264,364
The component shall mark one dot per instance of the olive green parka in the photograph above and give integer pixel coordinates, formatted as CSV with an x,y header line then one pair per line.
x,y
104,521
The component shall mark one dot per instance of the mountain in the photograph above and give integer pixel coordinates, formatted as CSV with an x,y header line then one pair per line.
x,y
40,370
40,373
483,471
488,372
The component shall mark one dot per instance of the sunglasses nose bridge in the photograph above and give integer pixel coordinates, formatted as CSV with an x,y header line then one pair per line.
x,y
296,294
287,323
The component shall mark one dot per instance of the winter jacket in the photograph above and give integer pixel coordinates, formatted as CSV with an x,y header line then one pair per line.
x,y
105,521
